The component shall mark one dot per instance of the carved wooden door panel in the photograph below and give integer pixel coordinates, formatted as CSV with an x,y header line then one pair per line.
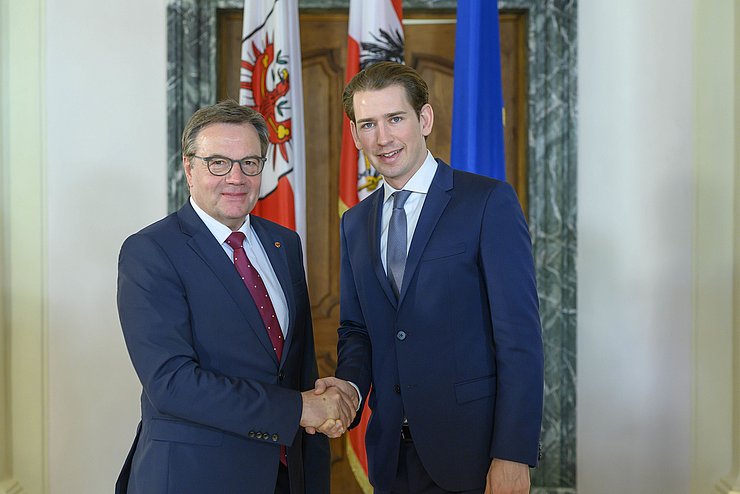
x,y
324,48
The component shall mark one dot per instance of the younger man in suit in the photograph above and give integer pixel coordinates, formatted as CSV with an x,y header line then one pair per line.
x,y
214,309
438,307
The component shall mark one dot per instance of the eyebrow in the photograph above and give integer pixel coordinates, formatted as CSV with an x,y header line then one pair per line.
x,y
233,159
387,115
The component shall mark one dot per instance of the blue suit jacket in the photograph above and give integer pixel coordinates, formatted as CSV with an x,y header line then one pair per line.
x,y
216,403
460,353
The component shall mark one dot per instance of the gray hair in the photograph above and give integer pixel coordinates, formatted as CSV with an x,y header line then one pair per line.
x,y
227,111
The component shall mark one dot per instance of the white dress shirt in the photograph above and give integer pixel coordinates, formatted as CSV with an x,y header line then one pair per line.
x,y
257,256
419,185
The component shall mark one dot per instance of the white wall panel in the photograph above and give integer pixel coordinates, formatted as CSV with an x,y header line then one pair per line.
x,y
106,100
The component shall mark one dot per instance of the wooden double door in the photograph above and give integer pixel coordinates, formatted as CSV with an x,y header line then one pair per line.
x,y
430,49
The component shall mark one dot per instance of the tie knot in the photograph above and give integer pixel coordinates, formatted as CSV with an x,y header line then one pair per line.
x,y
235,240
399,198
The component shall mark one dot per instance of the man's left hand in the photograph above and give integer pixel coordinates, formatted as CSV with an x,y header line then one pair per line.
x,y
507,477
346,388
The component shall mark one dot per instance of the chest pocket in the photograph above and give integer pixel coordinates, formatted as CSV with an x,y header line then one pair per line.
x,y
442,252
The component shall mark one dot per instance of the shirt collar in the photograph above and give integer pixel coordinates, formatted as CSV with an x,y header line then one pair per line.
x,y
420,181
218,229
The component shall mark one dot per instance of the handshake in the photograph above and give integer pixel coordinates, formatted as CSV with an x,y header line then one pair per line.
x,y
330,407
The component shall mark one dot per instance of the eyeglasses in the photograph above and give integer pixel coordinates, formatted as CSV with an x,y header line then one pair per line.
x,y
220,166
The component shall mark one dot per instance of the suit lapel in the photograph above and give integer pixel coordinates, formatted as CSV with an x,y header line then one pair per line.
x,y
274,246
208,249
434,205
374,225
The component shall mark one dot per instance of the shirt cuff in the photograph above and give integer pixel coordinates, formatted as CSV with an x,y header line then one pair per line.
x,y
359,395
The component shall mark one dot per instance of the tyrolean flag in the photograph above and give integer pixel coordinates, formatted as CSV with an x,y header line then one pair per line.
x,y
270,82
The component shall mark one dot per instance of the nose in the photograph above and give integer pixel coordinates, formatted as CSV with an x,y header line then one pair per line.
x,y
235,175
384,134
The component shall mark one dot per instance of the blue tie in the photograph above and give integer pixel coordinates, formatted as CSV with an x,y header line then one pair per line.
x,y
396,252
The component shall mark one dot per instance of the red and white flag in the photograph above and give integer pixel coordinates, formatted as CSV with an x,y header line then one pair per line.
x,y
270,82
375,34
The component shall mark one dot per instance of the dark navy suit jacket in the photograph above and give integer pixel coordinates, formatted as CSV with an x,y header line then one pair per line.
x,y
216,403
460,353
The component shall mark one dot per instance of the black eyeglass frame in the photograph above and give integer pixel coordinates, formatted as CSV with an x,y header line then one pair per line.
x,y
208,160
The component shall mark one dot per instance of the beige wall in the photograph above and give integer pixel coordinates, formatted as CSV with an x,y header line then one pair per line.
x,y
715,239
106,118
4,454
657,245
734,477
731,481
635,231
83,165
24,235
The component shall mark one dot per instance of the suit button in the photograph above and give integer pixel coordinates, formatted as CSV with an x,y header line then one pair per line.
x,y
259,435
281,376
275,437
397,388
251,434
401,335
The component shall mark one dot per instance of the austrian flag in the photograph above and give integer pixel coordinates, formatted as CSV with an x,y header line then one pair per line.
x,y
375,34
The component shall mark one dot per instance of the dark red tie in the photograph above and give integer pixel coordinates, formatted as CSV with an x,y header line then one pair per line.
x,y
261,298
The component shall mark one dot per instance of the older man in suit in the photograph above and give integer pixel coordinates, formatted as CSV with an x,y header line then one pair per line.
x,y
215,313
438,309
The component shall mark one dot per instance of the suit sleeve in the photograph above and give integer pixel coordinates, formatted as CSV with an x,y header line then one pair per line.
x,y
508,269
354,354
155,318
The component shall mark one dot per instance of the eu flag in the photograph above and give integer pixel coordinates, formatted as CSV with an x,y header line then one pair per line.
x,y
477,108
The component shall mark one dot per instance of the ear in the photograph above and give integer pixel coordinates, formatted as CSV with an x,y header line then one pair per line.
x,y
353,129
426,119
188,170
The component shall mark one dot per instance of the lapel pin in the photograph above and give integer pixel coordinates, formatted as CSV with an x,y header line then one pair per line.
x,y
277,244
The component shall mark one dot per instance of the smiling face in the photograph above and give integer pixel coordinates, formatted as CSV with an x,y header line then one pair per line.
x,y
229,198
387,130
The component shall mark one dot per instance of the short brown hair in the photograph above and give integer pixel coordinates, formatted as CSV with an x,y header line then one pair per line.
x,y
227,111
382,75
